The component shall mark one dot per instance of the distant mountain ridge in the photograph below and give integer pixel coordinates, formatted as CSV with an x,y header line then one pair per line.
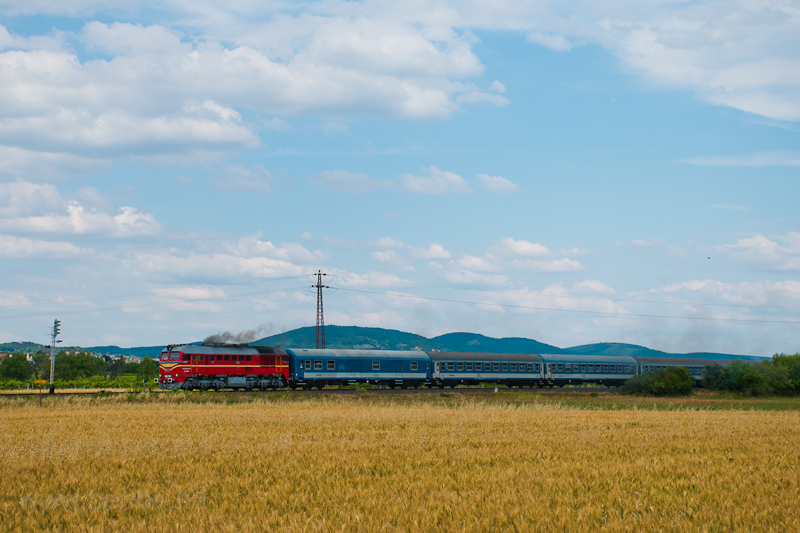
x,y
349,337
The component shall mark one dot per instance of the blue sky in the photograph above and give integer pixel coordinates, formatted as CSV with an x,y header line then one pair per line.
x,y
574,173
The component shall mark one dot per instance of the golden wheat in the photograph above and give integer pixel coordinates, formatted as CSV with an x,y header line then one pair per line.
x,y
342,464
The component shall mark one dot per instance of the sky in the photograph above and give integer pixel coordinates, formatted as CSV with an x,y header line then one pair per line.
x,y
572,172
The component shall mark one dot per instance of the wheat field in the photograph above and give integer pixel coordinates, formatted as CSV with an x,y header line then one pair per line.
x,y
346,464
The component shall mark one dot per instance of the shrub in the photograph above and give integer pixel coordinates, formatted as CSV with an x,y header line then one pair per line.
x,y
669,381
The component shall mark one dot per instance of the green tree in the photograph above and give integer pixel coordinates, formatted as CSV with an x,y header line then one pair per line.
x,y
41,365
669,381
15,366
745,377
148,369
114,365
80,365
715,377
792,364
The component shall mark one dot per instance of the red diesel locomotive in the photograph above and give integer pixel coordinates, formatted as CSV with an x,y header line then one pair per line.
x,y
223,366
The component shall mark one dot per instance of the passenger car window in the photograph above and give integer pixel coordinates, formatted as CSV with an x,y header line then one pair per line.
x,y
496,367
414,365
469,367
460,367
317,365
376,365
331,365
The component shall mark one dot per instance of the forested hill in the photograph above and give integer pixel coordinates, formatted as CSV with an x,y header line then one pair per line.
x,y
388,339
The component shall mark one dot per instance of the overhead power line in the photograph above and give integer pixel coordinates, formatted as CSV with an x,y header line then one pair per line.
x,y
586,311
600,298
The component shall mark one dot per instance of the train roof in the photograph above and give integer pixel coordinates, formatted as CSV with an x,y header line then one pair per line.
x,y
221,348
568,358
687,361
483,356
357,354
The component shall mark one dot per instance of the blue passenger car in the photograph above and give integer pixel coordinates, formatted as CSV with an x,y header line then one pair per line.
x,y
471,368
573,369
317,368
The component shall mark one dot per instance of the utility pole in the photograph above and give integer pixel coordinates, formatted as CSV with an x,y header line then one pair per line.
x,y
320,317
54,334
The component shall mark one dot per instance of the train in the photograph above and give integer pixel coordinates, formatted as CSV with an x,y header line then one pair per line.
x,y
218,366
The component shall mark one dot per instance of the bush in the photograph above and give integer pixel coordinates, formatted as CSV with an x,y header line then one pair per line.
x,y
15,366
637,385
763,378
669,381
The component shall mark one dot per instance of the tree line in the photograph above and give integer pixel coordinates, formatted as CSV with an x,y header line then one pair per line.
x,y
73,366
779,375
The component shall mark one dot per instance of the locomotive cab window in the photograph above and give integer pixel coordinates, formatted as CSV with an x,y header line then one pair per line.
x,y
175,356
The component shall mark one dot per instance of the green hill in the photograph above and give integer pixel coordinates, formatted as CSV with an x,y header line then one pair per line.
x,y
348,337
473,342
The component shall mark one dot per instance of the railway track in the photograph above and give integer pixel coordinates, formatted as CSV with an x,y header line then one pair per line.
x,y
326,391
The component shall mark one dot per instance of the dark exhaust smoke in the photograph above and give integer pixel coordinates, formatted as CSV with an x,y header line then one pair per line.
x,y
241,337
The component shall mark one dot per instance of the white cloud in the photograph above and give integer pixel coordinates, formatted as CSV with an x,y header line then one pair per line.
x,y
438,182
764,253
510,246
18,162
433,251
348,182
238,179
388,256
592,285
388,242
19,248
554,42
30,207
497,184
